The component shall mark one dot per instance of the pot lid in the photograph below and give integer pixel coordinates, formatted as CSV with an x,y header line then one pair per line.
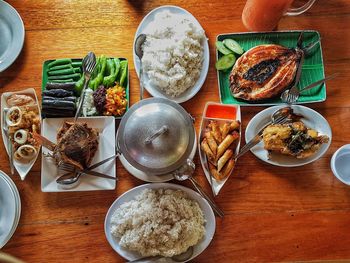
x,y
156,135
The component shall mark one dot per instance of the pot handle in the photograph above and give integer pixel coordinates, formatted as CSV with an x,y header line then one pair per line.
x,y
151,138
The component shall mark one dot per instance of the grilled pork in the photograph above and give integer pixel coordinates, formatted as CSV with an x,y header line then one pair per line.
x,y
77,144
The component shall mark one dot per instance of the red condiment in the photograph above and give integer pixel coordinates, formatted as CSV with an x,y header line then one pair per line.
x,y
221,112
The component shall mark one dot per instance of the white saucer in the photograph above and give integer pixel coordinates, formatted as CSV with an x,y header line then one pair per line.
x,y
150,177
311,118
12,35
10,211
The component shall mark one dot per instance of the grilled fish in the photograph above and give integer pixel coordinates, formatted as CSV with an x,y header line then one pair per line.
x,y
264,72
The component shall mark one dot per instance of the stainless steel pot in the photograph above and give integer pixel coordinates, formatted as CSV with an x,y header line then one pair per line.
x,y
156,136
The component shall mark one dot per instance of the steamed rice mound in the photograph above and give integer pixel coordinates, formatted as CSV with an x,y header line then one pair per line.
x,y
159,222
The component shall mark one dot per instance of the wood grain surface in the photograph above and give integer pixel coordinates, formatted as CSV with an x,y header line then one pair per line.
x,y
273,214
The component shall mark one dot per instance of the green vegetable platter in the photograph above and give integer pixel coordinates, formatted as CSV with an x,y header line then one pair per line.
x,y
107,93
229,47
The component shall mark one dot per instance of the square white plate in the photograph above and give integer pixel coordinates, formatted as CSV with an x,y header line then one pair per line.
x,y
106,148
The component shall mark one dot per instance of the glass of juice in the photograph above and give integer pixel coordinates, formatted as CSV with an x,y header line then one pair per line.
x,y
264,15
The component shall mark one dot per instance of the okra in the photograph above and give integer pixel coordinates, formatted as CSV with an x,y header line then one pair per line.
x,y
61,61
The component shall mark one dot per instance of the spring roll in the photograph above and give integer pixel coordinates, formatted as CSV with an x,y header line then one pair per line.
x,y
211,142
225,128
206,149
214,172
235,125
216,131
224,145
224,159
226,171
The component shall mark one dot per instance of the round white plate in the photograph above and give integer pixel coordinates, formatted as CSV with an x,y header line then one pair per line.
x,y
12,35
130,195
151,178
10,211
154,91
311,118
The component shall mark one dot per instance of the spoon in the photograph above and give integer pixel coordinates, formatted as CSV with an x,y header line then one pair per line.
x,y
177,258
186,173
139,52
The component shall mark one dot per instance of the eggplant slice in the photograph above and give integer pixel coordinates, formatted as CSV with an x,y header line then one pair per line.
x,y
264,72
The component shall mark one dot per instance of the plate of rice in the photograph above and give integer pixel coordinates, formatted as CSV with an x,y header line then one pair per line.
x,y
159,219
175,58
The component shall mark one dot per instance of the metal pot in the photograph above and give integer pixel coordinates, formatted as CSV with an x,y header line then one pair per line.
x,y
156,136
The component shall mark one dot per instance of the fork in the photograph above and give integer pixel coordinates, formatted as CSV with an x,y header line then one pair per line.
x,y
9,143
257,138
71,169
89,64
294,93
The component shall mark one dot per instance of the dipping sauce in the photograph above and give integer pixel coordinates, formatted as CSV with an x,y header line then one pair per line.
x,y
221,112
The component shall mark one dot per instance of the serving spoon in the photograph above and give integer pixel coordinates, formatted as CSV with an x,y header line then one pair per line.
x,y
177,258
139,52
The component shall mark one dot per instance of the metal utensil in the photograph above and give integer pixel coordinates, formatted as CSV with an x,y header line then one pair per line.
x,y
68,179
293,94
278,117
5,129
186,174
89,64
285,94
139,52
177,258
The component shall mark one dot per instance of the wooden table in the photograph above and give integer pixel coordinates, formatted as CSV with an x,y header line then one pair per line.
x,y
272,214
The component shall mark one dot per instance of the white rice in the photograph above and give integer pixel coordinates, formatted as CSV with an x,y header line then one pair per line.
x,y
173,53
159,222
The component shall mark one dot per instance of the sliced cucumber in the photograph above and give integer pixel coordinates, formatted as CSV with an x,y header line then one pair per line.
x,y
225,62
222,49
233,45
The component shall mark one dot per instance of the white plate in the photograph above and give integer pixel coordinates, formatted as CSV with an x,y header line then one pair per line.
x,y
10,211
311,118
154,91
22,168
150,177
215,184
49,171
12,35
130,195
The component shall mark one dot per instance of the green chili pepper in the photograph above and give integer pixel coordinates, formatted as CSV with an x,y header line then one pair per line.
x,y
99,78
124,72
79,85
114,66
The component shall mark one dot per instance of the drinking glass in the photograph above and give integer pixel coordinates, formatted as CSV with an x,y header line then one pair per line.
x,y
264,15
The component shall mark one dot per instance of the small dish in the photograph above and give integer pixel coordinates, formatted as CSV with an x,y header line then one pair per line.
x,y
10,208
155,92
129,195
49,171
311,118
220,113
12,35
313,67
22,168
75,60
340,164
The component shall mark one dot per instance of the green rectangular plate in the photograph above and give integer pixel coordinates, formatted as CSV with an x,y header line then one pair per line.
x,y
312,70
45,76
